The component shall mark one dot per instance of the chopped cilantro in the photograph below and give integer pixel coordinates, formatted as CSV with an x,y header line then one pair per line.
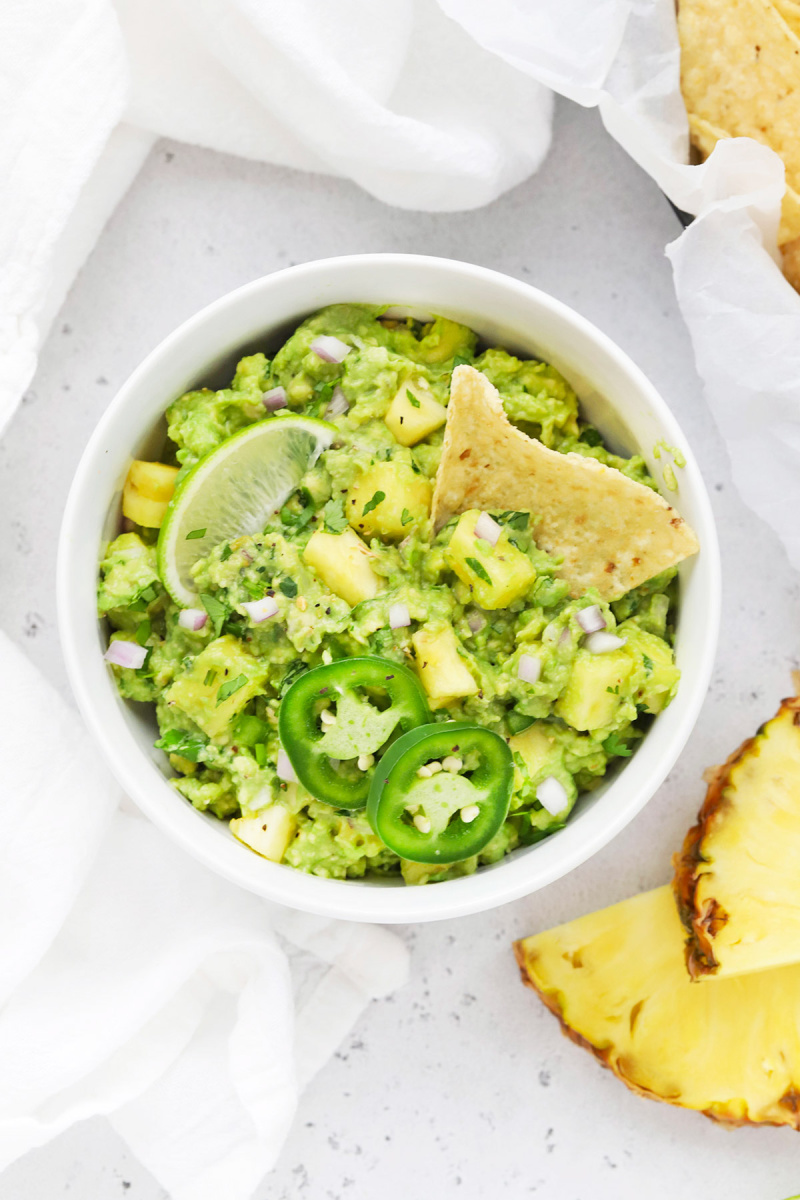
x,y
516,520
228,689
195,533
405,517
377,498
615,746
648,663
412,399
211,675
143,631
460,361
613,690
226,553
144,671
479,569
288,587
254,588
187,745
590,436
333,515
217,611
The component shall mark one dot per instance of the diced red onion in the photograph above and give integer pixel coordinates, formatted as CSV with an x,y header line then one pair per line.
x,y
261,610
566,636
192,618
476,620
330,349
274,399
339,403
126,654
529,668
552,795
285,770
602,642
399,616
590,619
487,528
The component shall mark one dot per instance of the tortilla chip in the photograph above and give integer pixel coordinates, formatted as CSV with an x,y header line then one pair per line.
x,y
740,71
705,137
790,11
611,532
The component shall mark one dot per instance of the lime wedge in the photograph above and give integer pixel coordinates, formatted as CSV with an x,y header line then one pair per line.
x,y
234,490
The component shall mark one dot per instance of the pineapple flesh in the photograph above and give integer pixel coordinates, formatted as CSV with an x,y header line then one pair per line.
x,y
737,878
617,981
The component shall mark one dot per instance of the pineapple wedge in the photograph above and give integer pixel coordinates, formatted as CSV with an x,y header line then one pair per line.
x,y
617,981
737,878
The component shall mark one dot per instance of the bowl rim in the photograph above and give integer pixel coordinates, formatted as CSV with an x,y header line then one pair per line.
x,y
355,899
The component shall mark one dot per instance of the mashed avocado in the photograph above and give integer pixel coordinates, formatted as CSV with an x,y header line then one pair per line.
x,y
353,543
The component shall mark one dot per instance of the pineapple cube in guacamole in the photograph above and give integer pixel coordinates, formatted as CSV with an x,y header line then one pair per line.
x,y
593,694
207,694
147,492
414,413
497,574
268,833
443,672
388,500
342,562
539,749
655,657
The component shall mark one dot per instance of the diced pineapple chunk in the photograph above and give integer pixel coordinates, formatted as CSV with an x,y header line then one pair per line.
x,y
539,750
406,500
179,763
509,572
147,492
592,696
414,413
224,661
443,672
343,563
268,833
656,656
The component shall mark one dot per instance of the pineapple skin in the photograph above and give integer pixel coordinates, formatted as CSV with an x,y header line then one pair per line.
x,y
617,983
710,926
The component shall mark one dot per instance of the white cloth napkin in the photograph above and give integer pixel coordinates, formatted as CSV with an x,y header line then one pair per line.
x,y
137,984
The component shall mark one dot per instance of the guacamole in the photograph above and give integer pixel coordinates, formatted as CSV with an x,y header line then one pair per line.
x,y
350,570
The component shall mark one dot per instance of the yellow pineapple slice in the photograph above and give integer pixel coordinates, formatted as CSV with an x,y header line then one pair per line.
x,y
737,878
617,981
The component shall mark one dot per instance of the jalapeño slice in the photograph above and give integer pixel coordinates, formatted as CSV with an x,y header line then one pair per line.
x,y
325,750
452,814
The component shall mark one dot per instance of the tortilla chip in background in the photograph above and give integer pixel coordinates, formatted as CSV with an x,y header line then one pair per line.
x,y
740,71
705,137
791,262
611,532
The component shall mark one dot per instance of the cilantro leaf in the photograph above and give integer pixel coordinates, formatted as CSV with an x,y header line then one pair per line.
x,y
615,746
333,515
479,569
211,675
516,520
226,553
143,631
377,498
648,663
288,587
187,745
412,399
405,517
460,361
228,689
218,612
195,533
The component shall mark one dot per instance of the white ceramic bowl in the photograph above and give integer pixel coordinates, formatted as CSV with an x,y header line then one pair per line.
x,y
615,395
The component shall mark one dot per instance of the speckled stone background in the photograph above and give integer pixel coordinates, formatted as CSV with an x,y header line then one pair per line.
x,y
460,1085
